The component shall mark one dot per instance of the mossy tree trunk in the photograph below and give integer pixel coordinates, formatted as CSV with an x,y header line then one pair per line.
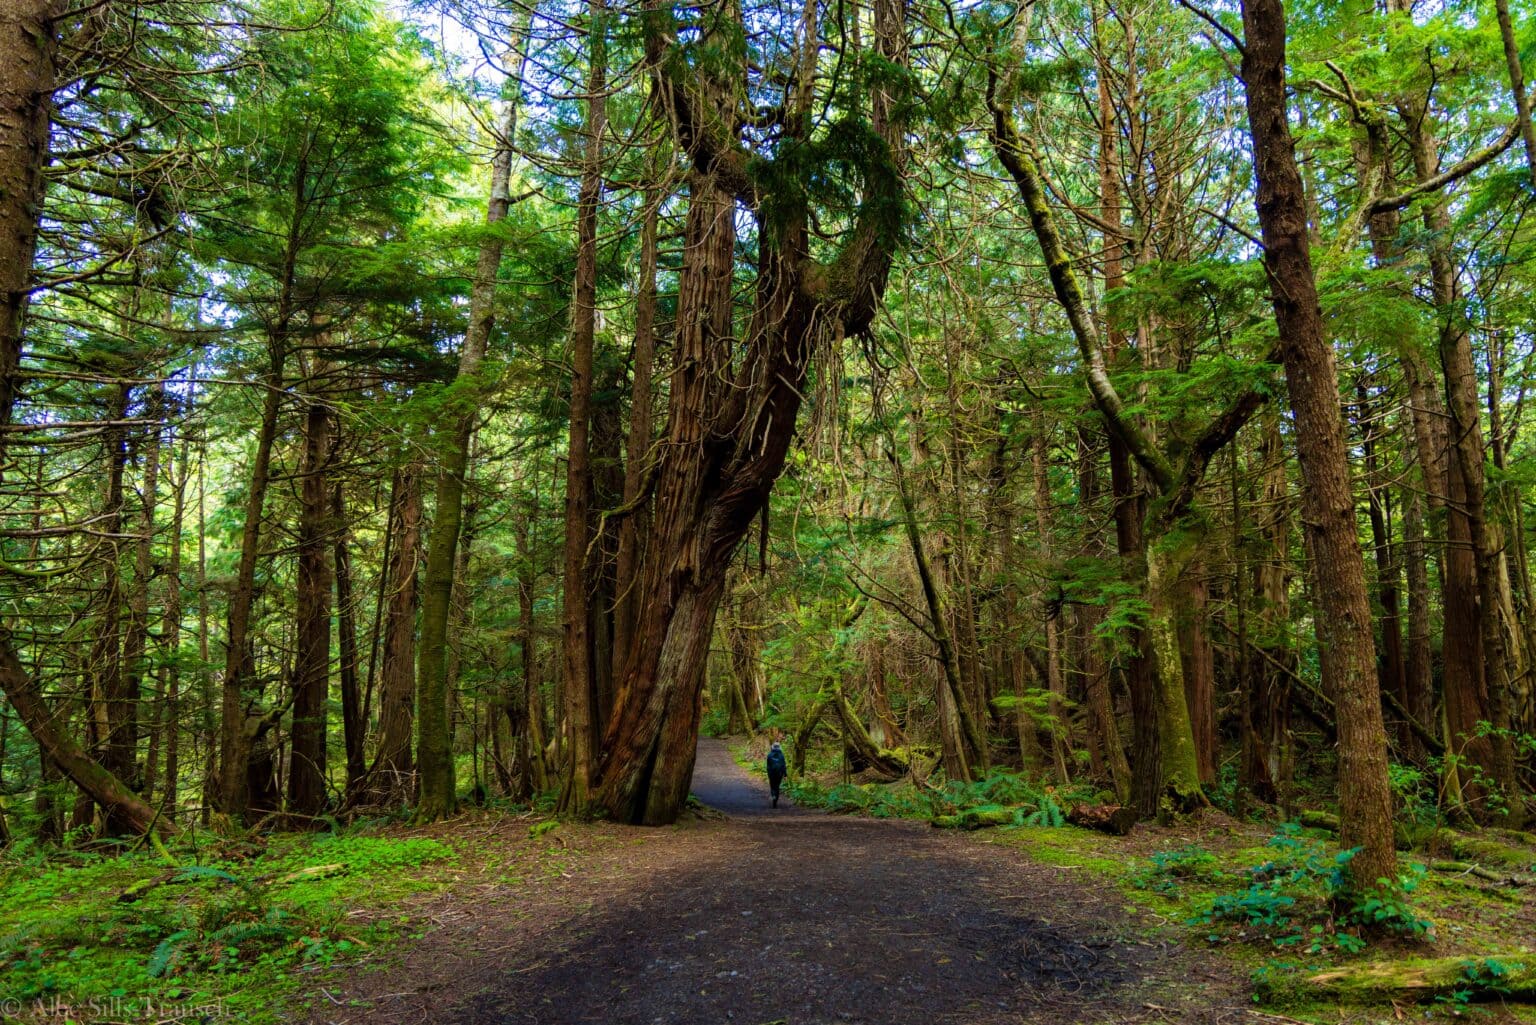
x,y
434,744
1156,703
1178,751
965,748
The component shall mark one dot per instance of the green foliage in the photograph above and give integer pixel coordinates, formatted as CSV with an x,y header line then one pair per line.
x,y
1481,975
1414,794
124,926
716,721
1042,707
1027,802
1385,908
1166,869
1302,897
1048,813
1224,794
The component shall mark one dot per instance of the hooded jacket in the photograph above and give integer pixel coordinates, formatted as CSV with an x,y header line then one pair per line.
x,y
777,767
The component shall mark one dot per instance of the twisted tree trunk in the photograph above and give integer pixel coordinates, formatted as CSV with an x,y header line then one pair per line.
x,y
730,421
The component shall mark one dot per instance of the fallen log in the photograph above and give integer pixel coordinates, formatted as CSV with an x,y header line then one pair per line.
x,y
127,808
1504,977
1318,820
979,818
887,763
1328,822
1467,868
1480,849
1519,836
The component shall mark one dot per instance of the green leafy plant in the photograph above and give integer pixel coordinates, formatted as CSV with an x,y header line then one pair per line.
x,y
1049,813
1166,869
1304,896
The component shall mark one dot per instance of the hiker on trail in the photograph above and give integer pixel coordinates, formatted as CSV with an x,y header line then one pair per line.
x,y
777,769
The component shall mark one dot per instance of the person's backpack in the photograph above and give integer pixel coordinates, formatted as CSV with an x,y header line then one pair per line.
x,y
776,762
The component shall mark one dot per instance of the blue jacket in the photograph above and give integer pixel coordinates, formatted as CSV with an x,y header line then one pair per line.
x,y
776,764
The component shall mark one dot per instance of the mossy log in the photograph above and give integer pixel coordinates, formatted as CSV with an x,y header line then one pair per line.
x,y
141,887
1481,849
311,872
1468,868
1329,823
1518,836
1318,820
1505,977
886,762
977,818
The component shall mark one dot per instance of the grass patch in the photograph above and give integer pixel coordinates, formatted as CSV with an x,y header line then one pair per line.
x,y
226,924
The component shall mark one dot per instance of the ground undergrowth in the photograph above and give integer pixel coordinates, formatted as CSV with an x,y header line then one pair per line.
x,y
230,929
1268,895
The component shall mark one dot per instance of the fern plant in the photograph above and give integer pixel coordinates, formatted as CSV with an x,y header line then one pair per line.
x,y
1049,813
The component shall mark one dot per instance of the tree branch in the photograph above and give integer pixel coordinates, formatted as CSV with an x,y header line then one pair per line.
x,y
1453,173
1021,166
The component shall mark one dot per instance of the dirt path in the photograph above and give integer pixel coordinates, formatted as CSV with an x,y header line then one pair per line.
x,y
792,917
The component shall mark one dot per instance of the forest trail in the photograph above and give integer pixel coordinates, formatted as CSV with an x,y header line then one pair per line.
x,y
791,917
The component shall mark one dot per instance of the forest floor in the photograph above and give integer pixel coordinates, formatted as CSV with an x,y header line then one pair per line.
x,y
756,915
741,914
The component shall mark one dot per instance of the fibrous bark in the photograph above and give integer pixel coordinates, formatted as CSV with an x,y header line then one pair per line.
x,y
1344,615
579,678
731,420
312,661
28,40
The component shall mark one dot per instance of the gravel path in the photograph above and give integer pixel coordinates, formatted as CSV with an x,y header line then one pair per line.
x,y
790,917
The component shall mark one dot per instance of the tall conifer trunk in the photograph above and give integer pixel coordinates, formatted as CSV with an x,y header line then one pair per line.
x,y
353,727
1343,614
312,661
434,752
632,529
392,775
28,40
580,678
234,735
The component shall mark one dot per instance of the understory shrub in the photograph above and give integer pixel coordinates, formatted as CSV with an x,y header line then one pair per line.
x,y
1303,897
115,925
1031,803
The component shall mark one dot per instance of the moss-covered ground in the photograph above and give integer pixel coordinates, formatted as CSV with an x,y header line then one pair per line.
x,y
235,929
